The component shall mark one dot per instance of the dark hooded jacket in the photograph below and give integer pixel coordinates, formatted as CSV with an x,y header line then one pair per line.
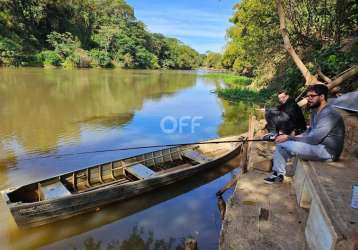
x,y
296,119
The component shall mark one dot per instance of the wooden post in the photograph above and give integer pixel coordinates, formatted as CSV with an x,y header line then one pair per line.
x,y
244,158
251,132
191,244
221,206
228,185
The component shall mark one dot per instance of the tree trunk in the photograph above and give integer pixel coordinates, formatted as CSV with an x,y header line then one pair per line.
x,y
346,75
332,85
310,79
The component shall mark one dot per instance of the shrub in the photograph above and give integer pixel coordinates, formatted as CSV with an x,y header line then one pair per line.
x,y
49,58
100,58
246,94
232,79
8,52
63,43
332,60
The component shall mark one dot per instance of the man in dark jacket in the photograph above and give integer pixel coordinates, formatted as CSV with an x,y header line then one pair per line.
x,y
285,118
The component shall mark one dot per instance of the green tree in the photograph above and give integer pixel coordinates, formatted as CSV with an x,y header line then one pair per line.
x,y
105,30
213,60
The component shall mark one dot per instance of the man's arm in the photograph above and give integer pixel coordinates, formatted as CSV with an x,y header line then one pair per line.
x,y
317,134
306,133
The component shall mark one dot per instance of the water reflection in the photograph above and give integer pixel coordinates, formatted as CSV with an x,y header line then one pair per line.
x,y
234,117
47,106
139,239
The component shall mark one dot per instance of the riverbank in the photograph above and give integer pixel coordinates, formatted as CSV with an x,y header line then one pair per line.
x,y
311,210
241,88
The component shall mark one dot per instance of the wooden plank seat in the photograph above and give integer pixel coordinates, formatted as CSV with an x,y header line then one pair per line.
x,y
196,156
52,189
140,171
117,182
182,166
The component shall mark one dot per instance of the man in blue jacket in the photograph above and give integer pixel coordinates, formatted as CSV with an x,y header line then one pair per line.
x,y
322,141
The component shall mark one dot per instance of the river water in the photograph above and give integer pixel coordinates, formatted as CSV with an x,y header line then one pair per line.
x,y
47,116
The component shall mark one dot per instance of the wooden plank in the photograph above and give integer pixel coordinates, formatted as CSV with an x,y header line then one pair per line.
x,y
88,181
170,155
196,156
244,158
52,189
140,171
180,167
100,173
112,169
117,182
74,180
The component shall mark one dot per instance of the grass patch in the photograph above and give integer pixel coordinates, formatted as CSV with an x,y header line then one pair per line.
x,y
246,94
239,90
231,79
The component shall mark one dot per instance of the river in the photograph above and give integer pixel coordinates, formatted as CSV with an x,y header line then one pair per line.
x,y
48,116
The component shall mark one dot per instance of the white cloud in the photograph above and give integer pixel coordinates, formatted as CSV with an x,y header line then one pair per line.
x,y
200,29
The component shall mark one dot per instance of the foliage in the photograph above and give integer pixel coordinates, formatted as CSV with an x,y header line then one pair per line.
x,y
318,30
49,58
245,94
317,23
180,56
106,29
63,44
234,80
253,37
100,58
213,60
333,60
8,51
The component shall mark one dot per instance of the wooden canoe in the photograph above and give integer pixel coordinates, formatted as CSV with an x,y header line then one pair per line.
x,y
88,189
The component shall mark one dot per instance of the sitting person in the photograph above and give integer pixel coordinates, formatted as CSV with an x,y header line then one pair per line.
x,y
322,141
285,118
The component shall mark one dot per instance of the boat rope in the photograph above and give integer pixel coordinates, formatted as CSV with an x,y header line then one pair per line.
x,y
141,147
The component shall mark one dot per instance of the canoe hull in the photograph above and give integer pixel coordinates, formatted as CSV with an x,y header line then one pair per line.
x,y
48,211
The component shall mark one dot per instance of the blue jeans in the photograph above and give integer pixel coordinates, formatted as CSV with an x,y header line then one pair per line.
x,y
305,151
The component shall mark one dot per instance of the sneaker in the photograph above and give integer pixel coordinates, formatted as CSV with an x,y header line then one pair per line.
x,y
273,174
274,179
269,137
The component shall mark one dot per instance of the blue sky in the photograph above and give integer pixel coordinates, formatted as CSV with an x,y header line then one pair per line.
x,y
201,24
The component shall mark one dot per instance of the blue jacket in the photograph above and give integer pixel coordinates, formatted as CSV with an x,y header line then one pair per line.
x,y
327,128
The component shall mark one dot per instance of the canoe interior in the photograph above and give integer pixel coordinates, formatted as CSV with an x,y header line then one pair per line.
x,y
119,172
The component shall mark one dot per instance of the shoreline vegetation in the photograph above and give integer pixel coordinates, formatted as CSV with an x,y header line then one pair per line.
x,y
290,44
240,88
85,34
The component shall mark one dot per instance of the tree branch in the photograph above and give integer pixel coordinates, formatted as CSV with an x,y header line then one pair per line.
x,y
333,85
310,79
346,75
323,76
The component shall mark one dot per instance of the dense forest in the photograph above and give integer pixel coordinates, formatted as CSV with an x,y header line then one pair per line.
x,y
85,33
323,33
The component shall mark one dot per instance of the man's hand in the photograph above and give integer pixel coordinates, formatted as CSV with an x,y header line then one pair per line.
x,y
281,138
